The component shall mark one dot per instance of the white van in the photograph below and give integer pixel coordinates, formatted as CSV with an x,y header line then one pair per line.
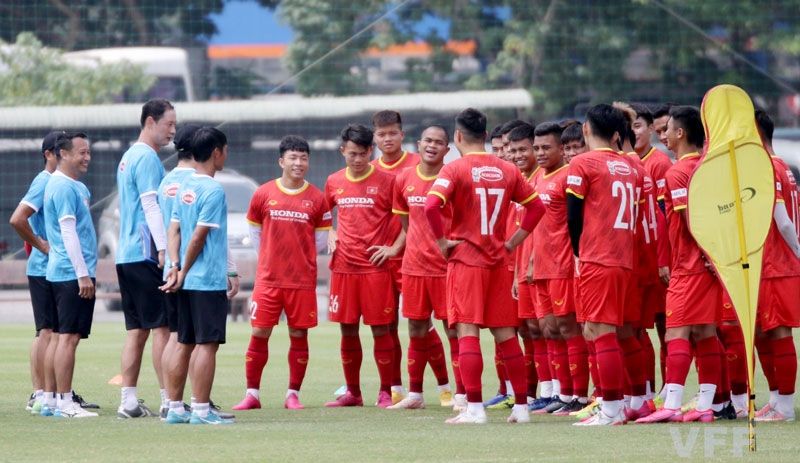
x,y
169,65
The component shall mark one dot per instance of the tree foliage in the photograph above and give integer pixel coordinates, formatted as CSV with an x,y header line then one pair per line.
x,y
33,75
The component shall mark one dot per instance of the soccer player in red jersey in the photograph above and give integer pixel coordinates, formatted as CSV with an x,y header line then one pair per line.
x,y
388,126
778,311
424,271
289,222
478,282
600,214
572,139
660,118
694,295
361,281
496,140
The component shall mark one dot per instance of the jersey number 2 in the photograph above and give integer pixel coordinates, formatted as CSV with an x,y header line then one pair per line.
x,y
624,191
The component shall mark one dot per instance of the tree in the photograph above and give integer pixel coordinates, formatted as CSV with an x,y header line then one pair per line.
x,y
32,75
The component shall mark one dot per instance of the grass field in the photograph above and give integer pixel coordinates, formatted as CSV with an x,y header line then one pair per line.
x,y
329,435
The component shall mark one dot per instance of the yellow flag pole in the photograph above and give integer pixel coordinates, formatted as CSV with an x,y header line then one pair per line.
x,y
746,270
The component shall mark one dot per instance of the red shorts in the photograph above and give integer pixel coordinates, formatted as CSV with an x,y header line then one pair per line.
x,y
632,311
268,303
423,296
728,312
694,300
526,305
602,290
576,292
778,303
654,299
555,296
395,267
480,296
354,295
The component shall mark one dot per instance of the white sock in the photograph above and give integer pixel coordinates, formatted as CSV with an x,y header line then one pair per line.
x,y
192,401
785,405
674,396
475,408
49,398
509,388
288,393
164,400
773,398
611,407
663,392
415,395
176,406
565,398
129,399
201,409
546,389
739,401
718,407
556,388
444,387
626,401
637,402
705,397
648,390
253,392
398,389
38,395
64,400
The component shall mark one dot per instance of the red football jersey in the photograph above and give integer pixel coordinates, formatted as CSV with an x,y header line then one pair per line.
x,y
422,256
287,256
552,248
523,252
480,187
364,213
657,164
687,258
646,263
779,260
406,160
607,183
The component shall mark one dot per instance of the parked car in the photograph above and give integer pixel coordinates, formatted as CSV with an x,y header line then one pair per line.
x,y
238,191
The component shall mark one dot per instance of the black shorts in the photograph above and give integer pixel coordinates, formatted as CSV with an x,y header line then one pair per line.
x,y
202,316
171,303
74,312
45,315
142,301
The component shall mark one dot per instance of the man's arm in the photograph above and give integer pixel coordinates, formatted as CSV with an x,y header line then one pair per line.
x,y
575,221
19,220
72,244
155,222
193,250
534,211
173,248
433,213
786,227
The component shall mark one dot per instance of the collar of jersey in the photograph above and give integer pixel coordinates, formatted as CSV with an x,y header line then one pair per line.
x,y
419,174
530,177
477,153
201,175
62,174
652,150
546,175
395,164
295,192
688,155
347,174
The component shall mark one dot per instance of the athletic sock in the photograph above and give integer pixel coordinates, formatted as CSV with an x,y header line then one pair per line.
x,y
649,359
164,400
253,392
679,360
500,368
397,360
298,361
541,361
530,367
592,360
129,399
65,400
454,362
708,371
785,364
515,368
609,363
383,351
578,365
417,359
49,398
471,363
723,393
561,363
201,409
766,359
352,356
255,360
176,406
634,361
736,357
436,357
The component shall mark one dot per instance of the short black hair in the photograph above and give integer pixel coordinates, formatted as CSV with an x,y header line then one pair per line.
x,y
183,141
358,134
521,132
573,131
496,132
765,125
643,112
64,141
472,125
386,117
155,108
549,128
205,141
605,120
440,127
293,143
511,125
688,118
663,110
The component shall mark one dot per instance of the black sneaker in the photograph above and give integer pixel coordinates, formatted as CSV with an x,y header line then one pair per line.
x,y
728,412
573,406
31,402
555,405
140,411
219,412
84,404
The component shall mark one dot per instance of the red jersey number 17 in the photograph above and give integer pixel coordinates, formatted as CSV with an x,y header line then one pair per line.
x,y
487,223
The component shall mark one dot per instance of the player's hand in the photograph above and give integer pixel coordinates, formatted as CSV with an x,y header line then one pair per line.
x,y
446,245
529,275
515,290
381,254
85,287
233,286
663,273
332,239
161,255
171,281
577,266
708,265
44,246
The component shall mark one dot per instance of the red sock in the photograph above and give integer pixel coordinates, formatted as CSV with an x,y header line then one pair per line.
x,y
541,361
785,364
397,358
500,368
561,364
255,360
515,368
736,357
767,360
592,359
436,358
417,358
649,359
679,360
578,365
352,356
723,393
298,361
634,360
456,365
471,362
551,356
530,367
708,360
609,365
383,351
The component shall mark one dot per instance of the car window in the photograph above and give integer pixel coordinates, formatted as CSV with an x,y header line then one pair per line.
x,y
238,196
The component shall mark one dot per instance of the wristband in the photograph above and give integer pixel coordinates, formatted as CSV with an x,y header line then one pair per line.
x,y
233,274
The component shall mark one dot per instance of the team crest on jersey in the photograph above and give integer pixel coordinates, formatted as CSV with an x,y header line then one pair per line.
x,y
618,168
86,202
372,190
272,202
488,173
410,188
122,166
308,204
171,190
340,191
188,197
